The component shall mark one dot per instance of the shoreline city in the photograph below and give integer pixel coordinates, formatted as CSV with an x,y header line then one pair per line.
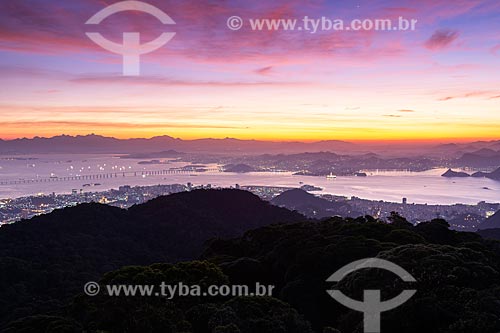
x,y
461,216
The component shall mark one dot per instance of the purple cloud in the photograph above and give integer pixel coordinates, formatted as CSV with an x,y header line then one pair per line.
x,y
264,70
441,39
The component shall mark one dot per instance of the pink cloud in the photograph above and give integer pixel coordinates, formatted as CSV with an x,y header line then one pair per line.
x,y
163,81
496,50
58,27
485,93
264,70
441,39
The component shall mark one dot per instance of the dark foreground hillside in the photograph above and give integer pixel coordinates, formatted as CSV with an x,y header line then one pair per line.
x,y
490,233
457,275
47,259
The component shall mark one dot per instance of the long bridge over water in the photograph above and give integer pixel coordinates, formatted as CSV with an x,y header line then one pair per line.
x,y
142,173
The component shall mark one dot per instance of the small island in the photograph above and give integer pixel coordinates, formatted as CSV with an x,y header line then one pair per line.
x,y
480,174
239,168
451,174
152,162
161,154
310,188
495,175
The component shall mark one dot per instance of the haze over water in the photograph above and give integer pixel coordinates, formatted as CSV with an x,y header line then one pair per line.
x,y
419,187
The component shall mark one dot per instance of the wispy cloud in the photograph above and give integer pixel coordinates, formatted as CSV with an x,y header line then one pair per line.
x,y
165,81
496,50
97,124
441,39
264,70
484,94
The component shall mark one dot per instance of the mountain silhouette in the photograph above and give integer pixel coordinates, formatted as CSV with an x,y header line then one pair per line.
x,y
47,260
450,174
492,222
482,158
51,257
100,144
310,205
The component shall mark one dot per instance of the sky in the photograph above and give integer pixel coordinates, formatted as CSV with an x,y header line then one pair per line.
x,y
439,82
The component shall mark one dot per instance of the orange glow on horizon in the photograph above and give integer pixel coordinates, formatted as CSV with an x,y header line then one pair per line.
x,y
354,137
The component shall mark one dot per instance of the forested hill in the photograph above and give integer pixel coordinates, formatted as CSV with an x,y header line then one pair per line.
x,y
457,284
47,258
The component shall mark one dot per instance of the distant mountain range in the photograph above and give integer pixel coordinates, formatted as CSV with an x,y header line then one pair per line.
x,y
457,150
483,158
100,144
478,151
